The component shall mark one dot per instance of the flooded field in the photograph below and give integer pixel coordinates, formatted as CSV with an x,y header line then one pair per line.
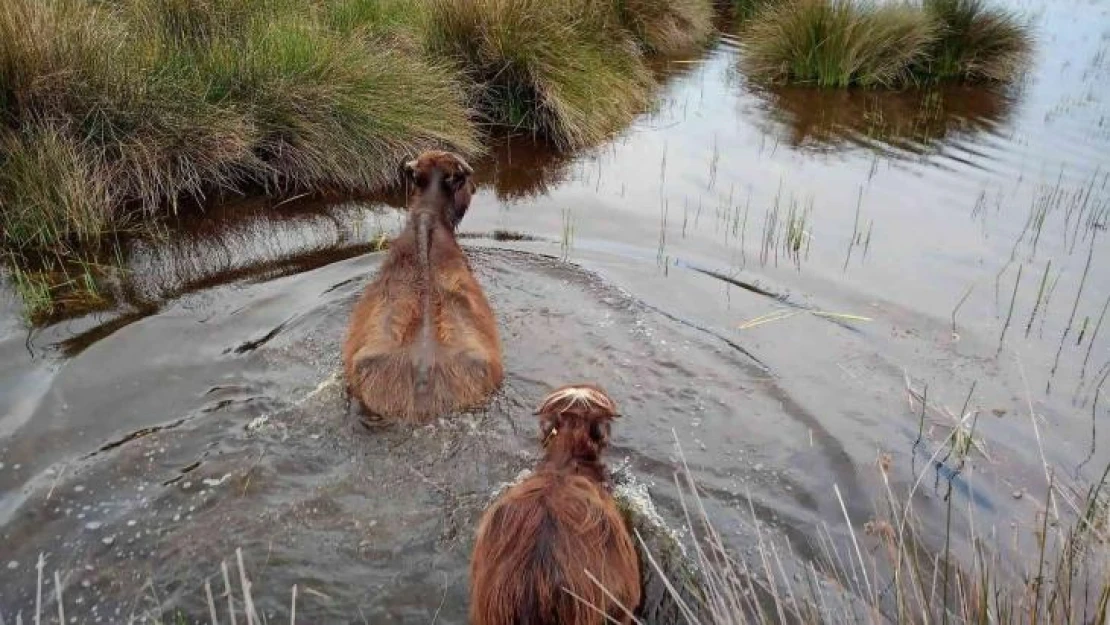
x,y
778,277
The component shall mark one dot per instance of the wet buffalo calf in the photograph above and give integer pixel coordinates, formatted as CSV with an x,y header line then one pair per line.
x,y
422,340
539,544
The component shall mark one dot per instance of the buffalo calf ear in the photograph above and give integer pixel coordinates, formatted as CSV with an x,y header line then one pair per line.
x,y
408,170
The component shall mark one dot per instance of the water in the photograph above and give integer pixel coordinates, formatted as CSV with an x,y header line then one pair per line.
x,y
761,273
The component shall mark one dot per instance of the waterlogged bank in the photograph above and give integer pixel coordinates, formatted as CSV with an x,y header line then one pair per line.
x,y
115,115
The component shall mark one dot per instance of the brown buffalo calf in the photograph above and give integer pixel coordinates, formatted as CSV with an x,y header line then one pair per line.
x,y
422,340
540,542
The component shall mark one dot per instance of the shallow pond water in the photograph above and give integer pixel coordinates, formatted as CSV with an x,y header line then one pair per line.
x,y
761,273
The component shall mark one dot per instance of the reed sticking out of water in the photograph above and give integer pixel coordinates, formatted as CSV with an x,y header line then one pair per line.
x,y
38,589
1094,336
714,161
1094,435
918,584
796,233
664,210
566,239
960,303
867,238
842,43
1040,294
855,229
1074,306
1010,314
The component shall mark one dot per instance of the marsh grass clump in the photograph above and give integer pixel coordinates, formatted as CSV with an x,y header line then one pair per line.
x,y
844,43
976,42
331,110
746,9
667,26
565,70
838,43
50,190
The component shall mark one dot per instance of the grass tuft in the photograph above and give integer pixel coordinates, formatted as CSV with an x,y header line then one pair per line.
x,y
50,190
842,43
746,9
667,26
566,70
838,43
976,43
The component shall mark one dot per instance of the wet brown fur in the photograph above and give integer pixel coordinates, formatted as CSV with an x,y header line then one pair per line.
x,y
536,542
422,340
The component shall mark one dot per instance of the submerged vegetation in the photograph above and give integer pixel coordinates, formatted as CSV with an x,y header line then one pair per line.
x,y
842,43
115,114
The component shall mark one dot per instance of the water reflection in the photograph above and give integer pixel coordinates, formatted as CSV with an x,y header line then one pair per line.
x,y
521,167
909,122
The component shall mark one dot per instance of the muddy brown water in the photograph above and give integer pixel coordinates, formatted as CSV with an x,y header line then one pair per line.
x,y
711,266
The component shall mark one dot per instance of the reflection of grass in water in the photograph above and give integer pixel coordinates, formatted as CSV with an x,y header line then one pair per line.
x,y
912,120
